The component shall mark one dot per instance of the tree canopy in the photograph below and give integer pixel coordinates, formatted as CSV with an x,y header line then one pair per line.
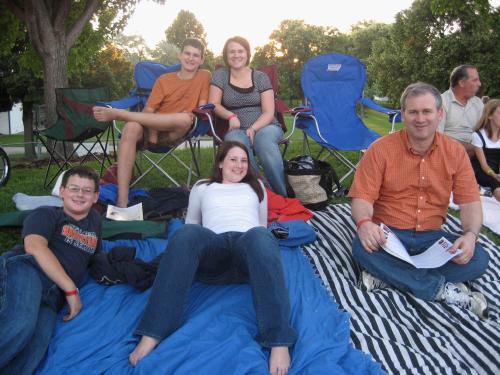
x,y
432,37
185,26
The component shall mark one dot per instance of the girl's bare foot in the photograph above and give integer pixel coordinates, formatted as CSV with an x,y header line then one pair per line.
x,y
279,360
105,113
145,346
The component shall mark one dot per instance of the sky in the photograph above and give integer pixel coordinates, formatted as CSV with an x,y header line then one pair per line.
x,y
256,19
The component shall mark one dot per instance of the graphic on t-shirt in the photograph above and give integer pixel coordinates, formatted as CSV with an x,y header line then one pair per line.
x,y
83,240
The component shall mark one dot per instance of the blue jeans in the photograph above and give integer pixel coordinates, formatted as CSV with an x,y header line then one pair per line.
x,y
267,150
422,283
232,257
29,303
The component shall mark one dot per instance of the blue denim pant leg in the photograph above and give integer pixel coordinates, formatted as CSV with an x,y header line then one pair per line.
x,y
28,308
257,255
266,146
456,273
190,246
423,283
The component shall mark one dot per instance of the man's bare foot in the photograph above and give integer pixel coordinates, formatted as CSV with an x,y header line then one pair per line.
x,y
105,113
279,360
145,346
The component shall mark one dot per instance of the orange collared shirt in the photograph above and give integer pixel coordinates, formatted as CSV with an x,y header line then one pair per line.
x,y
412,191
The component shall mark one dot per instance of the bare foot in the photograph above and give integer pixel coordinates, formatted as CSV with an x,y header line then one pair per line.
x,y
105,113
279,360
152,136
122,202
145,346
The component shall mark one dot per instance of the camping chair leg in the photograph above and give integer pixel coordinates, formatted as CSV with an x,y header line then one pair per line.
x,y
193,155
54,154
113,139
285,148
305,144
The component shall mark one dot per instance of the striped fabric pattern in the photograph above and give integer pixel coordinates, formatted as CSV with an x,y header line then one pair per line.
x,y
407,335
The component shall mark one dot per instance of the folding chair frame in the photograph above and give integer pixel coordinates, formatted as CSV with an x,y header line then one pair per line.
x,y
50,140
63,162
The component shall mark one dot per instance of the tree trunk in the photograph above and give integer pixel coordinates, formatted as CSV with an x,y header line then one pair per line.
x,y
55,76
29,146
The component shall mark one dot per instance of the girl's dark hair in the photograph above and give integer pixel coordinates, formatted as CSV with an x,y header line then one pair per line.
x,y
241,41
250,178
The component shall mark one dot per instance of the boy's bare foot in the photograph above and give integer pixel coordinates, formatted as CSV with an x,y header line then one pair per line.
x,y
105,113
279,360
145,346
153,136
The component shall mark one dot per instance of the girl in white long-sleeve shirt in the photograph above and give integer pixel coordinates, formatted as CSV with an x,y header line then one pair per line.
x,y
224,241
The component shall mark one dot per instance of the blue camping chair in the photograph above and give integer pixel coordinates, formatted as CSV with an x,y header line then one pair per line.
x,y
394,114
145,75
332,85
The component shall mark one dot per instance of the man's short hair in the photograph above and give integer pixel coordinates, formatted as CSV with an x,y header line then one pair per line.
x,y
459,73
196,43
81,171
418,89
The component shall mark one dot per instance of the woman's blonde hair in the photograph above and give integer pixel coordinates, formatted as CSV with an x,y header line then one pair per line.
x,y
484,121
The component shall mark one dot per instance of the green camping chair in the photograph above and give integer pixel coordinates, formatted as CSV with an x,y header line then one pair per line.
x,y
76,124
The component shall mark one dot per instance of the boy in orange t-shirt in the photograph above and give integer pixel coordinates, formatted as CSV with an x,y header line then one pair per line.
x,y
167,117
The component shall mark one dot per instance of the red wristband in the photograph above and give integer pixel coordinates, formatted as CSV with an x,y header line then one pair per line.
x,y
72,292
362,221
231,116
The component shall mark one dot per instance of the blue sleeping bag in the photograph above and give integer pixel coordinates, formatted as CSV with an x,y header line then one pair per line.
x,y
217,337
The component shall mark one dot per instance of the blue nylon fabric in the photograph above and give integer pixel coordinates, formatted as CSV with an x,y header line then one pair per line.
x,y
217,336
109,192
145,75
367,102
299,233
333,84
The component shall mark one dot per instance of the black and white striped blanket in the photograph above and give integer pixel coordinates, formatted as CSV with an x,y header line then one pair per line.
x,y
407,335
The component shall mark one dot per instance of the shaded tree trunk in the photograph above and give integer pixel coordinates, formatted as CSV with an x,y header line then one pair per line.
x,y
55,76
29,146
52,38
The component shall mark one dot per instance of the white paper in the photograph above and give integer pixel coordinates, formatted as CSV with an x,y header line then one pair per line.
x,y
435,256
125,214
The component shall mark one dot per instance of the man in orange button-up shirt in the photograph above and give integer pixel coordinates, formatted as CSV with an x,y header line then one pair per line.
x,y
404,181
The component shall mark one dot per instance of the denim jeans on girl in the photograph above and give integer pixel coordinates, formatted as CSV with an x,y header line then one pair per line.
x,y
226,258
267,149
422,283
29,303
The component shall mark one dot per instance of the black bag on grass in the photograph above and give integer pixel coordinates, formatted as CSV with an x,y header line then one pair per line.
x,y
311,181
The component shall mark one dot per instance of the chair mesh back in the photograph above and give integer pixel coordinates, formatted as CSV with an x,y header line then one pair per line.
x,y
74,110
333,84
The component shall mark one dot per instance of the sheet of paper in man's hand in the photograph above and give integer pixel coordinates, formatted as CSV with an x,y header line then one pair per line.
x,y
434,257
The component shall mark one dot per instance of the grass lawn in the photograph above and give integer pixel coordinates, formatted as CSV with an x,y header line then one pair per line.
x,y
28,177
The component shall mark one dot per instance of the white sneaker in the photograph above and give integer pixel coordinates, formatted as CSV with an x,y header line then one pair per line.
x,y
462,287
473,301
368,282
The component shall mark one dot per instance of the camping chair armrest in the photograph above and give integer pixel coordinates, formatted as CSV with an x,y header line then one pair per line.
x,y
205,113
301,110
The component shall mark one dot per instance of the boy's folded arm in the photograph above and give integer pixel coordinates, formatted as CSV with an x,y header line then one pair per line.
x,y
37,246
